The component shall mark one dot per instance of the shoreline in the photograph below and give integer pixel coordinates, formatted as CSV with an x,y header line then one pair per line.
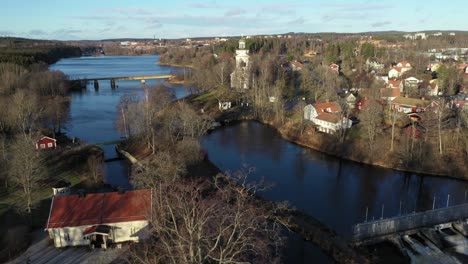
x,y
284,135
221,117
174,65
296,221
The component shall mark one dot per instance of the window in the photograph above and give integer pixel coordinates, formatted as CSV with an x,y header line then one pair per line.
x,y
49,145
132,230
42,146
66,236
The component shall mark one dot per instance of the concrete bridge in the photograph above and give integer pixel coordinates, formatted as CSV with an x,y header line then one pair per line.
x,y
374,229
112,80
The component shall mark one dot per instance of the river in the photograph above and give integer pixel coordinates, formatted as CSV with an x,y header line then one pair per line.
x,y
93,113
334,191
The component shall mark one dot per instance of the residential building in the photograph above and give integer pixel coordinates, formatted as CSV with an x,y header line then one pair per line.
x,y
411,82
404,65
350,100
327,117
410,105
46,143
99,219
433,88
395,72
373,64
395,84
389,94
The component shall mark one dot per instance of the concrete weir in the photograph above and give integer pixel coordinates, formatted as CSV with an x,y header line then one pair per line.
x,y
437,236
369,230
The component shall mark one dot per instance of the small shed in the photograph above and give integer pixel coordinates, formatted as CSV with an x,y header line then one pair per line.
x,y
46,143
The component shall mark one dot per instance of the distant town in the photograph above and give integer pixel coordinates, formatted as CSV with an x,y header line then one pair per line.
x,y
156,150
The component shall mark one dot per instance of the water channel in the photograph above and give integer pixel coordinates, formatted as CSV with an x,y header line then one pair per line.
x,y
93,112
334,191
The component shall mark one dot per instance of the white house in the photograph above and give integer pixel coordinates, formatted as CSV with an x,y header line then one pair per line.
x,y
351,100
373,64
395,72
433,88
326,117
412,82
395,84
404,65
99,219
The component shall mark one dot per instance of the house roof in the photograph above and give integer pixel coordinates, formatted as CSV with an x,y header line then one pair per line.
x,y
411,101
404,63
327,107
99,208
433,85
45,137
394,83
389,92
328,117
398,69
97,229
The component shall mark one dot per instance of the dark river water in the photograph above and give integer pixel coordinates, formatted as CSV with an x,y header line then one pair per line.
x,y
334,191
93,113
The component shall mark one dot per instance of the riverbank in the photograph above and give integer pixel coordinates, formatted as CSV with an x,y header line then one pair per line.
x,y
66,164
174,65
309,228
328,144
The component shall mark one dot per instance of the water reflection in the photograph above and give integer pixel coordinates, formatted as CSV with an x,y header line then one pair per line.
x,y
332,190
93,112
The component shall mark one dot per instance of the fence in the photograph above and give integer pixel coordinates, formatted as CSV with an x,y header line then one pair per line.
x,y
367,230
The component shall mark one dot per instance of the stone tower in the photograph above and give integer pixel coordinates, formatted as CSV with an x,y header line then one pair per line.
x,y
240,76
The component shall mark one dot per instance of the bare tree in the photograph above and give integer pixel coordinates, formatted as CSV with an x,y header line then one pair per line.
x,y
95,168
25,111
393,116
10,76
124,122
26,168
371,118
196,224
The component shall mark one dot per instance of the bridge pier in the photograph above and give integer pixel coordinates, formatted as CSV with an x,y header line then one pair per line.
x,y
112,83
96,85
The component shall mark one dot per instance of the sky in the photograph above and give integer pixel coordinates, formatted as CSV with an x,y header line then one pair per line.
x,y
104,19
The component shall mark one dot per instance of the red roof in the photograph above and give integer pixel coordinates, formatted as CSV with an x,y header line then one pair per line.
x,y
398,69
394,83
404,64
330,107
328,117
389,92
99,208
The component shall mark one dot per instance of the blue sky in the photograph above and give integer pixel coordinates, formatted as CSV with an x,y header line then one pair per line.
x,y
100,19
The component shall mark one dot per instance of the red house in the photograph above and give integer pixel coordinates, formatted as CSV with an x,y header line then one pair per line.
x,y
46,143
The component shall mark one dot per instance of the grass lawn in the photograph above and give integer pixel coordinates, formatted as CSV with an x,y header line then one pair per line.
x,y
204,97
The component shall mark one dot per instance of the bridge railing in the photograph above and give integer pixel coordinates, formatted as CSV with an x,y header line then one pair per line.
x,y
388,226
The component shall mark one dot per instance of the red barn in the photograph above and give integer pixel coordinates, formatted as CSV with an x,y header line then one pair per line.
x,y
46,143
